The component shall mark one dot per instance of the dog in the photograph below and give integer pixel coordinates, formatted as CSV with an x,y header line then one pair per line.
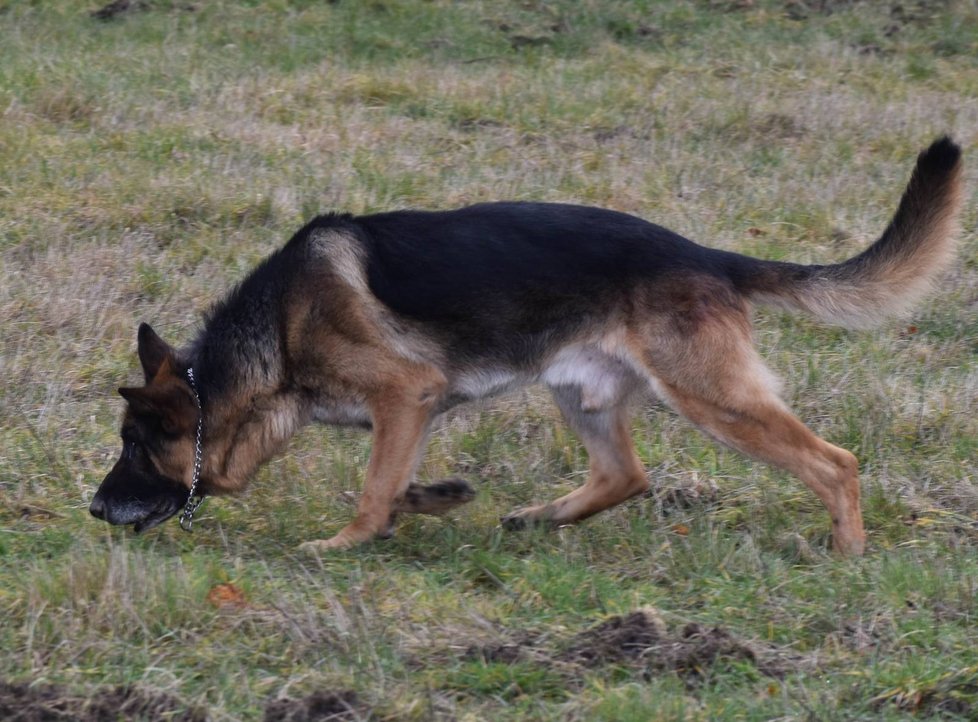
x,y
387,321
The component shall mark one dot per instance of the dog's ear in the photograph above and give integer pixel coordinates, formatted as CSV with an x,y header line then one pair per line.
x,y
141,401
153,351
171,401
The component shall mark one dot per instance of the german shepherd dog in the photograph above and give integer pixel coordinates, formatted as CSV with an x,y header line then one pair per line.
x,y
387,321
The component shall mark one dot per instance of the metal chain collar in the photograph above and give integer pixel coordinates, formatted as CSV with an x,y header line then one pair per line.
x,y
194,500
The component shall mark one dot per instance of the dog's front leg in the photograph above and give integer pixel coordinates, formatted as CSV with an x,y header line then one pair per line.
x,y
400,429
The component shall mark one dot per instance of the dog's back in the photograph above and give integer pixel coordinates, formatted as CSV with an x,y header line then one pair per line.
x,y
539,261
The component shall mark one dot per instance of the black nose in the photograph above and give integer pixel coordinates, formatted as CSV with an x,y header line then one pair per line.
x,y
97,508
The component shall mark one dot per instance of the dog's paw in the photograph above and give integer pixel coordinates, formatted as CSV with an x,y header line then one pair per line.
x,y
533,516
347,538
513,522
322,546
436,498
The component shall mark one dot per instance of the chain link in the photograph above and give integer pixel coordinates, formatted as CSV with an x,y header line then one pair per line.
x,y
194,500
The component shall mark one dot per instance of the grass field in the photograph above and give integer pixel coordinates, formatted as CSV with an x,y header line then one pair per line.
x,y
149,157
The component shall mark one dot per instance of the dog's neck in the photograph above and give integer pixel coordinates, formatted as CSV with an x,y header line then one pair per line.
x,y
248,410
247,417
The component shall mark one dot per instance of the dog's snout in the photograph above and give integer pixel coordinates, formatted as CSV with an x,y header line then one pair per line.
x,y
97,508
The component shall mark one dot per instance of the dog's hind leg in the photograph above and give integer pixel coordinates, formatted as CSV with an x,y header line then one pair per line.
x,y
767,431
709,372
616,474
770,433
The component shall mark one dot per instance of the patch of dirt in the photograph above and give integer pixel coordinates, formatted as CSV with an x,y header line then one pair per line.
x,y
118,7
618,639
318,707
50,703
113,9
642,640
699,647
23,703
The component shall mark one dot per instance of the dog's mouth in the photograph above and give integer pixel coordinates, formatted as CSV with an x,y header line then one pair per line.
x,y
157,517
141,515
131,495
142,512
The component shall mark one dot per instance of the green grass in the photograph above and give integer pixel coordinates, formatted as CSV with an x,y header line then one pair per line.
x,y
147,161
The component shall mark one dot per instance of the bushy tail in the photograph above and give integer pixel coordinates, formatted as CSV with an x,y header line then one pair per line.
x,y
896,271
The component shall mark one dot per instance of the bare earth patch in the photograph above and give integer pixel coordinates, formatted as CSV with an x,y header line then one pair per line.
x,y
113,9
118,7
48,703
642,640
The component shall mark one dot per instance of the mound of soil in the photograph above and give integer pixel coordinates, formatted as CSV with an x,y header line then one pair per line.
x,y
642,641
699,647
118,7
114,9
49,703
318,707
619,639
22,703
642,638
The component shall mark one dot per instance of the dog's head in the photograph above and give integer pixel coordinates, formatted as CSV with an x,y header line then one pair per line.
x,y
150,481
